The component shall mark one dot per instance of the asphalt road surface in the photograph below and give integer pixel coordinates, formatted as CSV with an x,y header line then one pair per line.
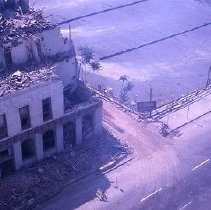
x,y
166,174
163,44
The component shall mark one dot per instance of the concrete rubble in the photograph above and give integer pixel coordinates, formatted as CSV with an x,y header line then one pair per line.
x,y
31,186
20,80
34,141
15,25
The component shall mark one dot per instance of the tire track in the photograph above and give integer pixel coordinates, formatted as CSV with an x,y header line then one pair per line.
x,y
100,12
154,42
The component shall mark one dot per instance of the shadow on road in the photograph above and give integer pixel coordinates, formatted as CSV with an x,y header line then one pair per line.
x,y
100,12
75,171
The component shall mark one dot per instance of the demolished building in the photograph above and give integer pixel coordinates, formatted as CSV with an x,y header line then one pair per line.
x,y
43,105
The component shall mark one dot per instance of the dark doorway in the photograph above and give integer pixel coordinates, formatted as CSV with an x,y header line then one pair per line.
x,y
3,126
48,140
7,168
87,124
69,133
28,150
8,57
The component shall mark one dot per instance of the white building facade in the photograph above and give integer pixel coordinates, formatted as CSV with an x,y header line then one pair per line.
x,y
34,119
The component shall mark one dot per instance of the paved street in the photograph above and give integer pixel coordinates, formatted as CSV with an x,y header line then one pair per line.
x,y
166,173
163,44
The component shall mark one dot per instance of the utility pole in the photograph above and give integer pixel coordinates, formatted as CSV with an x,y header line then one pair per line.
x,y
150,99
150,94
70,35
188,107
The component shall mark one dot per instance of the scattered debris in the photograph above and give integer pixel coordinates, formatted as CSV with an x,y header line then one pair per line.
x,y
116,186
45,179
101,195
164,130
40,170
20,80
18,26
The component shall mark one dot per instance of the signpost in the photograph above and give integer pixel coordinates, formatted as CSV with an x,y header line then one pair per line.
x,y
148,106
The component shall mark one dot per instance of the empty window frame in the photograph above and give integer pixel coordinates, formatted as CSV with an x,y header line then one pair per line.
x,y
25,117
3,127
47,109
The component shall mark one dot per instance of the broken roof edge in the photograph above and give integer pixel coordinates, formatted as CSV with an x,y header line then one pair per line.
x,y
18,81
22,25
31,88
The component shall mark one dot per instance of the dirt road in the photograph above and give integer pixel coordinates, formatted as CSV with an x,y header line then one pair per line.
x,y
158,163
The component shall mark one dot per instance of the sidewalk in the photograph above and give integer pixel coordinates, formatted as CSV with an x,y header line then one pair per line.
x,y
188,114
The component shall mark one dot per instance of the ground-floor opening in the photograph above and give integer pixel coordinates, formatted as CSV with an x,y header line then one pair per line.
x,y
7,168
28,149
87,125
48,140
69,133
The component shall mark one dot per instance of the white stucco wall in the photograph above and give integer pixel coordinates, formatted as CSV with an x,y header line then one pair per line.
x,y
32,97
68,71
20,53
52,42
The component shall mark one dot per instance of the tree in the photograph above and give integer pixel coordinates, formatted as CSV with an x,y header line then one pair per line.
x,y
123,78
127,86
87,54
88,58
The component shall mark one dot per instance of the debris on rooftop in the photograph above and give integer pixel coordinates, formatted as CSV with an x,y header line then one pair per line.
x,y
21,6
17,25
20,80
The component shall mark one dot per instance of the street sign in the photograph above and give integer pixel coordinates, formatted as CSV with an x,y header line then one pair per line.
x,y
146,106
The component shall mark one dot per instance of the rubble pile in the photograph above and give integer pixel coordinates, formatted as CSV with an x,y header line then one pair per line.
x,y
20,80
31,186
19,25
81,95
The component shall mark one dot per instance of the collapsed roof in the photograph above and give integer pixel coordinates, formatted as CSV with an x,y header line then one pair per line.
x,y
15,25
19,80
15,5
